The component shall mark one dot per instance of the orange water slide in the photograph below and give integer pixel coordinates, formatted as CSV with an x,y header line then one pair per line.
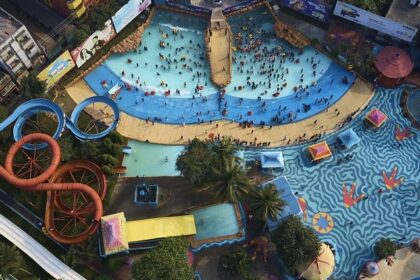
x,y
86,214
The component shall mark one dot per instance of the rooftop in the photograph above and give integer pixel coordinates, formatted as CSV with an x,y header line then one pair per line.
x,y
8,25
402,11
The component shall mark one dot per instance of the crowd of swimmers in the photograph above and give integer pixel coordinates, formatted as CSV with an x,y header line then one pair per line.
x,y
254,56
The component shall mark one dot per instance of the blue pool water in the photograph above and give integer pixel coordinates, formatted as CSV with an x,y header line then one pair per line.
x,y
188,107
215,221
150,160
191,29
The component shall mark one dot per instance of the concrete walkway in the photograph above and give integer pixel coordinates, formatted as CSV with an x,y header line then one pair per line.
x,y
406,266
357,97
218,41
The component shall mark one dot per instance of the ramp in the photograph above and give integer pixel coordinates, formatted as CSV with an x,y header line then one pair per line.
x,y
218,42
36,251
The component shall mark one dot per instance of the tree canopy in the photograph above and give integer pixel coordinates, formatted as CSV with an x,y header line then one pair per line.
x,y
168,261
196,161
296,243
266,202
385,247
11,260
32,87
230,183
237,262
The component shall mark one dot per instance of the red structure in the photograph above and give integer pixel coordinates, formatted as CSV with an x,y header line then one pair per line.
x,y
74,190
393,65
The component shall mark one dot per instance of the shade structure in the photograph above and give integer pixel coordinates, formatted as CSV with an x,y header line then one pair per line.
x,y
394,63
292,205
272,160
348,138
371,269
319,150
322,267
376,117
113,233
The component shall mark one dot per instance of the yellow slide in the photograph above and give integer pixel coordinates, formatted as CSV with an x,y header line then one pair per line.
x,y
156,228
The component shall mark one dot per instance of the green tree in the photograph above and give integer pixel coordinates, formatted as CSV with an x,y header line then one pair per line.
x,y
6,134
79,254
32,87
108,170
87,150
66,146
196,161
225,151
108,160
168,261
266,202
385,247
79,36
11,260
296,243
237,262
228,184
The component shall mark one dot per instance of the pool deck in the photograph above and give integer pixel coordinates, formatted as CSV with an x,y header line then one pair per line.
x,y
131,127
405,266
219,51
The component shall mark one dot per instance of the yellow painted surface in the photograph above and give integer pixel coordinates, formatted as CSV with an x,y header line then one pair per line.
x,y
57,69
150,229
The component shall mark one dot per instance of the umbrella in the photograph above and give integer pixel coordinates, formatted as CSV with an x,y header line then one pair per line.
x,y
272,160
348,138
376,117
371,268
322,267
319,151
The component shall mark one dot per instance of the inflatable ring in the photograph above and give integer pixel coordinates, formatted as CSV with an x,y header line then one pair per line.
x,y
322,222
244,28
250,35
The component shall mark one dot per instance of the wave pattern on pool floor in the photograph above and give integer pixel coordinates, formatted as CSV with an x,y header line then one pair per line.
x,y
392,214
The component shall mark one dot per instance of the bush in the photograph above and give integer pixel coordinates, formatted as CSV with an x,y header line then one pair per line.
x,y
296,243
385,247
166,262
237,262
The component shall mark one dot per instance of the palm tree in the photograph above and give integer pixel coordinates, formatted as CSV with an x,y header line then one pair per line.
x,y
225,150
229,183
266,202
10,259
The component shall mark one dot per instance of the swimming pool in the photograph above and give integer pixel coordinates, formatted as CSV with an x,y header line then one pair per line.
x,y
157,69
218,225
150,160
184,46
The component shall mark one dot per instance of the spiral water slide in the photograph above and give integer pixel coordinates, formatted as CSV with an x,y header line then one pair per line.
x,y
74,190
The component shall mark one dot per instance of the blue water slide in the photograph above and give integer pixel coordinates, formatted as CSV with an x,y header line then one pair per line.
x,y
22,113
72,122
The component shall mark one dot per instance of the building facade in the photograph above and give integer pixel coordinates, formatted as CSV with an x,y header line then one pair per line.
x,y
8,89
19,52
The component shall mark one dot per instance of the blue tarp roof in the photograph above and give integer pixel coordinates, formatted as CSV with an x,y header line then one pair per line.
x,y
348,138
292,207
272,160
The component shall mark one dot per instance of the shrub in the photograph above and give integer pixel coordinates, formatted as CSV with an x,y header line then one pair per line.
x,y
385,247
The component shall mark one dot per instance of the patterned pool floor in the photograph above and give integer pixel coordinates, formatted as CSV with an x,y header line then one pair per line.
x,y
386,175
